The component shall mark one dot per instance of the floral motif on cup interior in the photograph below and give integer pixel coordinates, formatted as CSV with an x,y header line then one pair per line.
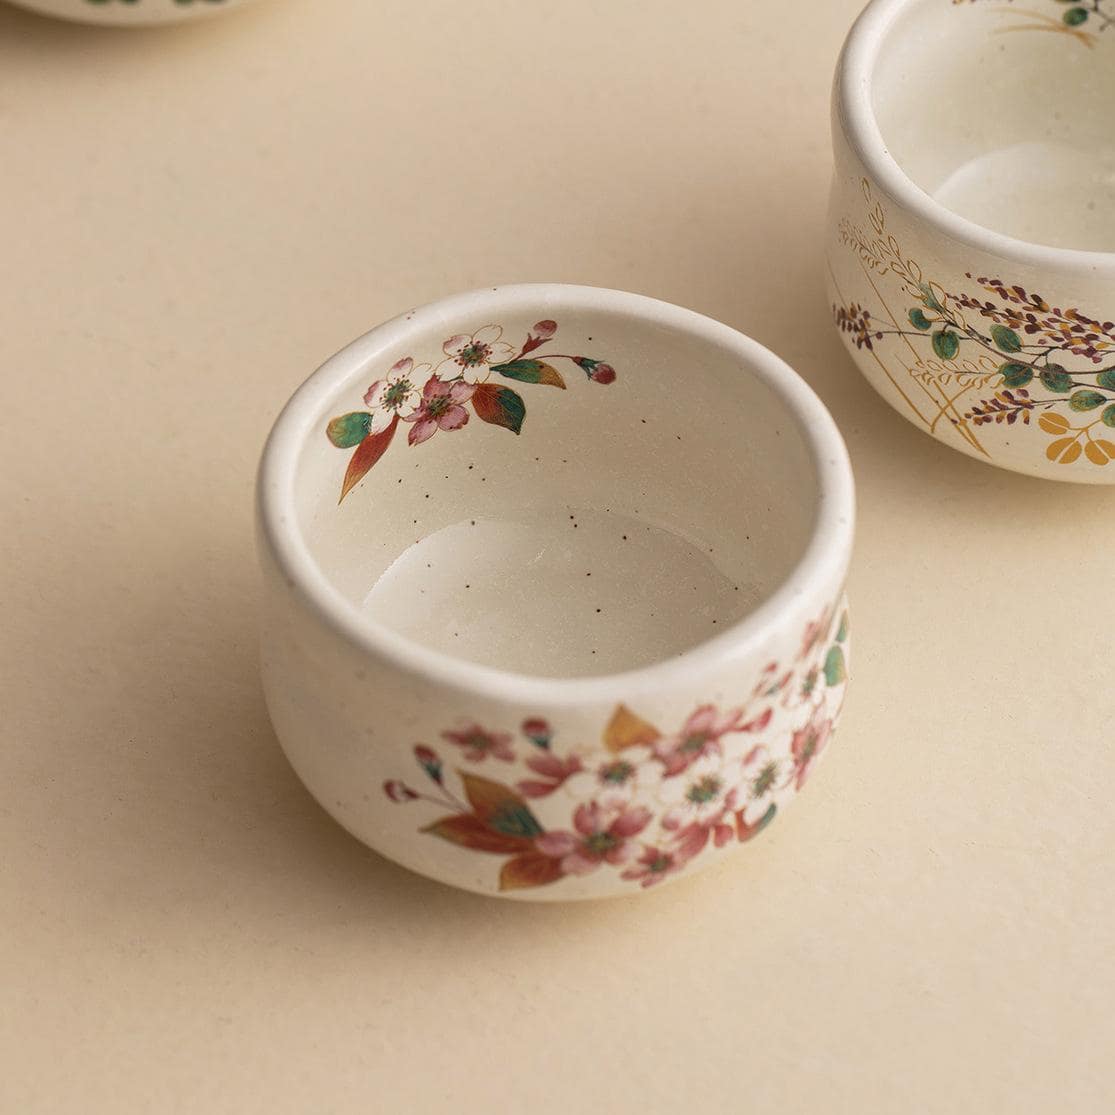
x,y
651,801
432,399
1080,19
990,355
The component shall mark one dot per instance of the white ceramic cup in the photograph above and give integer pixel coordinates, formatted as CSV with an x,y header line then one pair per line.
x,y
971,249
128,12
575,625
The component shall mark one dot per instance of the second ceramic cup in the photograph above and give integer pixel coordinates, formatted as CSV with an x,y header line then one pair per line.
x,y
554,589
971,246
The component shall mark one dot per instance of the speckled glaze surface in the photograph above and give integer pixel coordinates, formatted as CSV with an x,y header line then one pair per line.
x,y
970,249
128,12
554,634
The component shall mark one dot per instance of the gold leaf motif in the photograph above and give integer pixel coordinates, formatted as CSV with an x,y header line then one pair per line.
x,y
625,729
1053,423
1056,448
1095,454
550,376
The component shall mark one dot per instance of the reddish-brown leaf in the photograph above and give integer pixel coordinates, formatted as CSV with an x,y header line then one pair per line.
x,y
501,809
486,796
499,405
531,869
470,832
367,453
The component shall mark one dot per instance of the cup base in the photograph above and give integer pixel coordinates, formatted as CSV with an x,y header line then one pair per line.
x,y
571,593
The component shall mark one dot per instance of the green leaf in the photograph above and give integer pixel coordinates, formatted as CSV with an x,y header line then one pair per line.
x,y
929,298
918,319
946,344
349,429
530,371
1107,379
1108,416
1055,378
1086,400
1006,340
842,631
1074,17
500,406
514,820
835,670
1016,375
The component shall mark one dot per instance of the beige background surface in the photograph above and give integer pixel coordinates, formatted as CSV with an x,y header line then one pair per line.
x,y
192,220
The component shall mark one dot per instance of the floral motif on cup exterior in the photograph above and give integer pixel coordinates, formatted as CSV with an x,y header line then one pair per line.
x,y
651,802
1029,362
1080,19
442,398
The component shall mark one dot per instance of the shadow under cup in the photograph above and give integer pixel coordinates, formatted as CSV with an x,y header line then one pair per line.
x,y
1002,114
625,523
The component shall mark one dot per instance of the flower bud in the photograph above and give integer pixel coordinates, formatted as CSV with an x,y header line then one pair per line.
x,y
398,791
538,731
429,761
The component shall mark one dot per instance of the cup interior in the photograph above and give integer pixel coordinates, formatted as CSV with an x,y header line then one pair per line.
x,y
1001,112
627,520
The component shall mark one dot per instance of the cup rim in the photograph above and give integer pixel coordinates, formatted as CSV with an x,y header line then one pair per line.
x,y
855,72
823,562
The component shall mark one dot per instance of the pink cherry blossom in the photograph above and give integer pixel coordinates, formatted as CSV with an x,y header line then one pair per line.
x,y
616,772
396,395
692,838
471,356
699,736
704,794
603,835
763,777
653,866
440,409
807,745
478,744
553,770
700,805
544,330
